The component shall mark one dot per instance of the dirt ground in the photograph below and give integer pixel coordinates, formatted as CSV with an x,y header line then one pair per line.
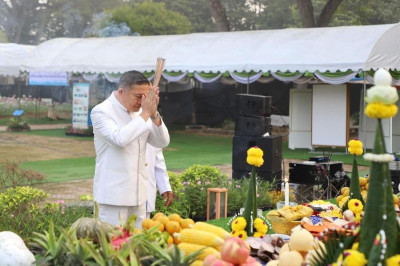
x,y
22,147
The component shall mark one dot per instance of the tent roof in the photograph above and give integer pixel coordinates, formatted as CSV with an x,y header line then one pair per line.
x,y
11,57
310,49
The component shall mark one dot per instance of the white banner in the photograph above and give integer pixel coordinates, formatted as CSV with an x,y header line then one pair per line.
x,y
80,105
48,78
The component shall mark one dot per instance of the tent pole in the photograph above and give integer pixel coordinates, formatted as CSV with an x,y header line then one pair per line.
x,y
364,119
19,91
248,83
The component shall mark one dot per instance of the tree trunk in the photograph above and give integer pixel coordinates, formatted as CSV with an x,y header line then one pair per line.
x,y
307,13
218,13
327,13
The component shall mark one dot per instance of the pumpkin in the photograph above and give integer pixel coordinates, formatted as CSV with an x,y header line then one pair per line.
x,y
13,250
91,227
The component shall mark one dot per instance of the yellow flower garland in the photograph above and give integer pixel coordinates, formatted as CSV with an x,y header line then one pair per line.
x,y
393,261
355,147
260,226
239,224
380,110
355,206
255,156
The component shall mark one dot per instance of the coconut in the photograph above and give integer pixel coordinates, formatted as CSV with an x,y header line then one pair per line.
x,y
301,240
284,248
348,215
291,258
273,263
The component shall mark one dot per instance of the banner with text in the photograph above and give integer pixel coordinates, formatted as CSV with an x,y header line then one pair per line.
x,y
48,78
80,105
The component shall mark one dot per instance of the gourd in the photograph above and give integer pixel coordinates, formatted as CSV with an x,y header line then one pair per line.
x,y
13,250
91,227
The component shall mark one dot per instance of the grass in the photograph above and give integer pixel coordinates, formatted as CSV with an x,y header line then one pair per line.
x,y
184,151
64,169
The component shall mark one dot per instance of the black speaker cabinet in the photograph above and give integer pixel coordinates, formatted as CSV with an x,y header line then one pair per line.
x,y
250,104
252,125
267,176
271,146
395,175
316,173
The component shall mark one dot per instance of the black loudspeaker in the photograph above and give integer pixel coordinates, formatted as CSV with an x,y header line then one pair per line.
x,y
252,125
395,175
268,176
250,104
316,173
271,146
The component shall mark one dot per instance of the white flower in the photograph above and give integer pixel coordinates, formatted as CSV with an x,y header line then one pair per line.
x,y
379,158
382,91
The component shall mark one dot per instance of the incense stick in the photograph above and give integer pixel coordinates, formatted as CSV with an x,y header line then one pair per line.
x,y
159,69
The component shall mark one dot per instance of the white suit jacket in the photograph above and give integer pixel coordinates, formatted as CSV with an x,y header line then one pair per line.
x,y
157,176
120,141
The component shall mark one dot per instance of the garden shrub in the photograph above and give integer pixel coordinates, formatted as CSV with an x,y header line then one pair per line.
x,y
11,175
237,193
179,204
195,180
16,124
24,210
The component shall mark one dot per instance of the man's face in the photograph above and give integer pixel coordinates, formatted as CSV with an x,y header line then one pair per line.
x,y
132,99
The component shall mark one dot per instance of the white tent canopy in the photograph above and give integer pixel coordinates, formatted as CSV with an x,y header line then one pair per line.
x,y
311,49
11,57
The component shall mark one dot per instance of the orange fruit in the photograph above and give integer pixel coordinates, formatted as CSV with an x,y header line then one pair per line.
x,y
158,214
173,227
147,223
343,189
186,223
339,198
363,181
176,240
346,192
160,226
162,219
395,199
170,240
175,217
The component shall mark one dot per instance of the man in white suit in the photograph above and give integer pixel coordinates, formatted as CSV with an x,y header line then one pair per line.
x,y
123,124
158,179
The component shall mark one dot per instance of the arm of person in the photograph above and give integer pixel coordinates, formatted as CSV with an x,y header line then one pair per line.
x,y
162,178
159,135
105,126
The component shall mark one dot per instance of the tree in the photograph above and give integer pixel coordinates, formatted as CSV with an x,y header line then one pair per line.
x,y
19,19
219,15
148,18
33,21
197,12
308,17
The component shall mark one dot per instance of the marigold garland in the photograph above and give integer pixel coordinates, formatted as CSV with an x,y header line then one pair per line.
x,y
239,224
393,261
380,110
255,156
355,147
356,206
354,257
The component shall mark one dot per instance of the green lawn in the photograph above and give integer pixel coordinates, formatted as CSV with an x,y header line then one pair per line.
x,y
184,150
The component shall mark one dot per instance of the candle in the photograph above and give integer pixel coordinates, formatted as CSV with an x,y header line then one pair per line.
x,y
286,192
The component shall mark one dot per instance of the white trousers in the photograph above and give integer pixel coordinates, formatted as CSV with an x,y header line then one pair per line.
x,y
116,215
